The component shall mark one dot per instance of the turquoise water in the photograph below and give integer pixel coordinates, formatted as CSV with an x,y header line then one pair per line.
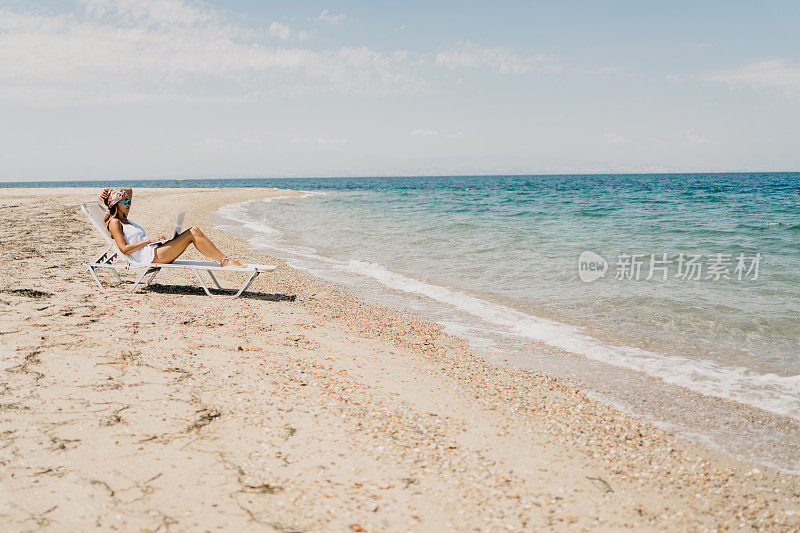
x,y
496,260
517,241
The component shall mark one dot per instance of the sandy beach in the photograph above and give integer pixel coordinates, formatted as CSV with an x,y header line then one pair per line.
x,y
299,408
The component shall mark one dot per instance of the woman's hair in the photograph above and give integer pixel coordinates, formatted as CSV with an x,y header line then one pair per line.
x,y
112,213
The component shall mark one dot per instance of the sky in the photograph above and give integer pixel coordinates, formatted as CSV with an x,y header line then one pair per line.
x,y
96,89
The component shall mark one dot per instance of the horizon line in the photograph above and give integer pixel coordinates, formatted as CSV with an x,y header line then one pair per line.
x,y
209,178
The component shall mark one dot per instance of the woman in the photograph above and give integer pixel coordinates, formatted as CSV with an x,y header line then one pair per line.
x,y
134,243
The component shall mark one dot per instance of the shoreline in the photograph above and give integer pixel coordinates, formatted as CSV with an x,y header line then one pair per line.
x,y
513,447
656,388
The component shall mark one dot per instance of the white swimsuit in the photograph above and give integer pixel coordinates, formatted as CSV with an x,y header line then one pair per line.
x,y
134,233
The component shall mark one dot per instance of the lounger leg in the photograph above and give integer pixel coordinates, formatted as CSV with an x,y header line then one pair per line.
x,y
94,275
241,290
202,283
215,280
155,271
253,276
114,270
138,281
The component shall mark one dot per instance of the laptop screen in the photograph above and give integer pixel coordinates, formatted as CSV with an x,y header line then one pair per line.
x,y
179,224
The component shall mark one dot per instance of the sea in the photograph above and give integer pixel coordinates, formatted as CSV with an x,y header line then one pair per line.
x,y
674,297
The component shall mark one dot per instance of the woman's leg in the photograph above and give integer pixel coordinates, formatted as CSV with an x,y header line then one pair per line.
x,y
204,245
172,249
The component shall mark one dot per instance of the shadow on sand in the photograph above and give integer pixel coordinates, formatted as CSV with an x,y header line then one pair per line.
x,y
197,291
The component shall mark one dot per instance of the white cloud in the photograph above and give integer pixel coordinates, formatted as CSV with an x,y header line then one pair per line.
x,y
696,139
768,74
614,138
152,13
181,50
327,16
673,141
305,34
598,71
338,142
149,50
502,60
436,133
228,143
276,29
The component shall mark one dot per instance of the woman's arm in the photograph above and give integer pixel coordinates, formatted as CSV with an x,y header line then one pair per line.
x,y
115,228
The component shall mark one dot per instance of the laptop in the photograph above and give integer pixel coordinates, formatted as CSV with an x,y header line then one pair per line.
x,y
178,225
178,228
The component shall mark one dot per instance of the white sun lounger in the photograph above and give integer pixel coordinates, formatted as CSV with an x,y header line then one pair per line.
x,y
115,260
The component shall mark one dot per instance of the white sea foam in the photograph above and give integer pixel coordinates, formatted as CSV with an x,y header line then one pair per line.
x,y
238,212
772,392
779,394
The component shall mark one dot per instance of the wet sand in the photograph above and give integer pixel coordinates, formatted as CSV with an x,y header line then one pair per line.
x,y
300,408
